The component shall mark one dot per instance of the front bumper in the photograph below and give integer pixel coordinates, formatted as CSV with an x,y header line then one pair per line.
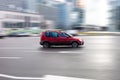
x,y
82,43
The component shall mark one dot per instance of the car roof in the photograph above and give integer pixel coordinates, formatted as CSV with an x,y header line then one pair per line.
x,y
53,31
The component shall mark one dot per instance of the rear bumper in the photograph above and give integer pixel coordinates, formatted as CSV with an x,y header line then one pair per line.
x,y
41,43
1,36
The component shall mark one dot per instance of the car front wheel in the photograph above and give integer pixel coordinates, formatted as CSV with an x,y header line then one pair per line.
x,y
75,44
46,45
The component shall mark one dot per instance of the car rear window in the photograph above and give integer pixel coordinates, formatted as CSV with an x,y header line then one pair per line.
x,y
47,34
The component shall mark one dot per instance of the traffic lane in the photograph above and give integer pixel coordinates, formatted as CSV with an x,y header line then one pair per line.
x,y
83,67
66,65
99,42
34,41
103,43
1,78
19,42
56,49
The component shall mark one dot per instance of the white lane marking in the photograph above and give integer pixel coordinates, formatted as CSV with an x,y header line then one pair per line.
x,y
25,78
70,52
60,52
46,77
15,48
10,57
52,77
64,52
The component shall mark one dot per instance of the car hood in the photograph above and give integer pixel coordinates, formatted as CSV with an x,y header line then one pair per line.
x,y
76,38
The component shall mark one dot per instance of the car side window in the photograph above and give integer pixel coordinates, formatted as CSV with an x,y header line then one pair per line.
x,y
63,34
47,34
51,34
54,34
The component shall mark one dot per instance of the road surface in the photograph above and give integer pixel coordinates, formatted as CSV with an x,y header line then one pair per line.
x,y
98,59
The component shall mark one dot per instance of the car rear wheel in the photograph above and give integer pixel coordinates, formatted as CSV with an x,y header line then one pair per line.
x,y
1,37
46,45
75,44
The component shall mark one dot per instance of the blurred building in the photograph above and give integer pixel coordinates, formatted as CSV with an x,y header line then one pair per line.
x,y
78,12
45,8
13,5
31,5
15,14
65,10
79,3
61,14
49,12
115,15
71,14
10,19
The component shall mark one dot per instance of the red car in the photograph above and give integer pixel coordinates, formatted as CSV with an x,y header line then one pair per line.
x,y
49,38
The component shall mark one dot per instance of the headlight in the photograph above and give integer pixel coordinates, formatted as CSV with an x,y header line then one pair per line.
x,y
81,40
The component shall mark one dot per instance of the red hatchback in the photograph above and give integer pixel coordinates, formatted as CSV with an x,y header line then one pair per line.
x,y
49,38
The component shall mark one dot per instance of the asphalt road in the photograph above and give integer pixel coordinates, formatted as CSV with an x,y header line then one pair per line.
x,y
23,58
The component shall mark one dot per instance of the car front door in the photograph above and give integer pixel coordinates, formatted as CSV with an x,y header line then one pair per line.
x,y
64,38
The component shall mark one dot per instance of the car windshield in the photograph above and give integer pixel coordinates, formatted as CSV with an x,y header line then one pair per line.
x,y
69,35
64,34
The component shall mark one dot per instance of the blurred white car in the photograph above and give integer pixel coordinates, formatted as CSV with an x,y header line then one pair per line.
x,y
19,34
34,28
2,34
35,35
73,32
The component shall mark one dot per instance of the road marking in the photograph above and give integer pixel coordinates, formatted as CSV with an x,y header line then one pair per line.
x,y
64,52
25,78
70,52
24,48
46,77
59,52
10,57
52,77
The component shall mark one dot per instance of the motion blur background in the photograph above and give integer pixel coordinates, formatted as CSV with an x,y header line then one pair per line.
x,y
97,22
33,16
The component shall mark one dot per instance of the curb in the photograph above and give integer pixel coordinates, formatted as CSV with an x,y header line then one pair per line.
x,y
100,33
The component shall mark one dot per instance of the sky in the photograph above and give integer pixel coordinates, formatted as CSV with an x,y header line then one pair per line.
x,y
96,12
60,0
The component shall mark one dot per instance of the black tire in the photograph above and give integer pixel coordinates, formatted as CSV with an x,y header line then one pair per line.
x,y
75,45
1,37
46,45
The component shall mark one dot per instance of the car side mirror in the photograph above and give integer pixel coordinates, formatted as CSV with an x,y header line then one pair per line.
x,y
68,37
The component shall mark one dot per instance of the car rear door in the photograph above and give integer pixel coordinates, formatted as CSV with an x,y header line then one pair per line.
x,y
54,37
